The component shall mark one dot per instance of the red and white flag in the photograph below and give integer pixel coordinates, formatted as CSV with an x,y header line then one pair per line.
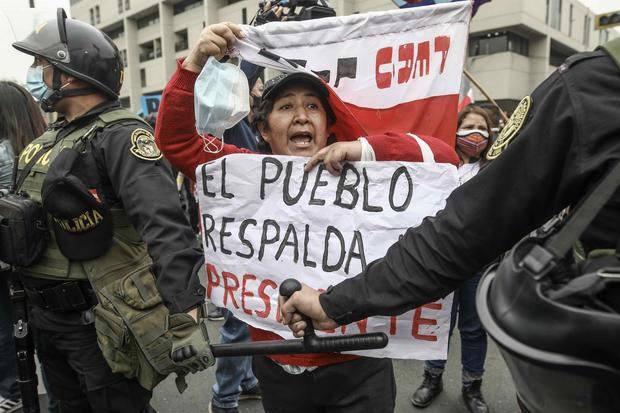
x,y
466,96
397,70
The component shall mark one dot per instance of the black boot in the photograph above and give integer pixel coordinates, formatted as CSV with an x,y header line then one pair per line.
x,y
428,390
473,397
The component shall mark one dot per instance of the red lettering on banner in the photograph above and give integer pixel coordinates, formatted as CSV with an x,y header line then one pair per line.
x,y
265,297
212,282
231,285
405,54
442,44
414,61
245,292
418,321
422,60
384,79
234,286
393,321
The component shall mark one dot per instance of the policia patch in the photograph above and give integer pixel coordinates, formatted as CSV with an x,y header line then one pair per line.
x,y
143,145
511,129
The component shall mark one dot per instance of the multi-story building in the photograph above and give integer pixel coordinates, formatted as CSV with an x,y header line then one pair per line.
x,y
513,45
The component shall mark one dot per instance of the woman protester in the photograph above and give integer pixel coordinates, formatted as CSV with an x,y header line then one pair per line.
x,y
472,143
296,116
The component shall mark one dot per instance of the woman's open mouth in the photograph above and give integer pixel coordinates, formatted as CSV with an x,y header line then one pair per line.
x,y
301,140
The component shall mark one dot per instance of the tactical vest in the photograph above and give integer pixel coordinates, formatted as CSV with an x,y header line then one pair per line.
x,y
134,329
127,244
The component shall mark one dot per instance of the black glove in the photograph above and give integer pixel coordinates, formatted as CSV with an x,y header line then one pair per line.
x,y
190,343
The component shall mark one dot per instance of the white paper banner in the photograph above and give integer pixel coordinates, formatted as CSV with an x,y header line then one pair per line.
x,y
264,220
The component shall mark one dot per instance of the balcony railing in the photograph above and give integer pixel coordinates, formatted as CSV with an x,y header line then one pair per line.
x,y
182,45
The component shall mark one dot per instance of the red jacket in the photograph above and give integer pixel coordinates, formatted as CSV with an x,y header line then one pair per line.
x,y
176,137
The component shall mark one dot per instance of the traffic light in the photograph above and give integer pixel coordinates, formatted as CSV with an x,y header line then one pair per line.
x,y
606,20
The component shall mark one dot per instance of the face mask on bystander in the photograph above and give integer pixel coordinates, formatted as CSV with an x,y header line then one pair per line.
x,y
472,141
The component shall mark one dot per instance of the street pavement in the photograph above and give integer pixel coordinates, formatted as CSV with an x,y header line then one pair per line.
x,y
497,387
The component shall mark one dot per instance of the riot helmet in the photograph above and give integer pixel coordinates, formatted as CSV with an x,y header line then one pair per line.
x,y
78,49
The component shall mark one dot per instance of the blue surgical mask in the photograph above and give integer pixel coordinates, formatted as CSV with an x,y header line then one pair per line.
x,y
221,98
35,84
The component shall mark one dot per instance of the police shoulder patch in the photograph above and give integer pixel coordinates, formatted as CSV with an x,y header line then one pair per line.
x,y
143,145
511,129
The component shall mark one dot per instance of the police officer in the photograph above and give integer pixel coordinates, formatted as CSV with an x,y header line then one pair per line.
x,y
558,144
117,214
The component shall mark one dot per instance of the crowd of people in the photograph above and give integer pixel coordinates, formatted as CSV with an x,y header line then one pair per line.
x,y
116,303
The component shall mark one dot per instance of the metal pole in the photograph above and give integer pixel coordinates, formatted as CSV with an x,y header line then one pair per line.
x,y
472,80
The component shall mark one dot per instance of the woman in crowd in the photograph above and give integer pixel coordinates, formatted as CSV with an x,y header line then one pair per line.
x,y
295,116
472,142
20,122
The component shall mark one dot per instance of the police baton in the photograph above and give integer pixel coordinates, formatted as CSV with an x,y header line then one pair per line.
x,y
311,343
26,369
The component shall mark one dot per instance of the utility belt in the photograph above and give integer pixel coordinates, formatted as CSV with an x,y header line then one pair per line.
x,y
62,297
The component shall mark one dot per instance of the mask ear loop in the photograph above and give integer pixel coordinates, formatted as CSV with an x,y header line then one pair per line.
x,y
211,144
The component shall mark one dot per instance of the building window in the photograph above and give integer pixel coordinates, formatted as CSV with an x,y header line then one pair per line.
x,y
498,42
116,33
148,20
186,5
244,15
143,77
92,16
554,13
147,51
157,47
603,36
97,15
180,40
229,2
126,102
120,6
587,23
124,57
557,57
126,4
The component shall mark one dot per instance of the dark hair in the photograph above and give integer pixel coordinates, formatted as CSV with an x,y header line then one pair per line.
x,y
21,120
264,109
151,119
477,110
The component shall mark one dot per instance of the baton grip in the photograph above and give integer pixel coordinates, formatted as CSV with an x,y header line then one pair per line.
x,y
287,288
315,344
347,343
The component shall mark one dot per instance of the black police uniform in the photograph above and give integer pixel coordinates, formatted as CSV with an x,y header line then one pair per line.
x,y
568,137
145,189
